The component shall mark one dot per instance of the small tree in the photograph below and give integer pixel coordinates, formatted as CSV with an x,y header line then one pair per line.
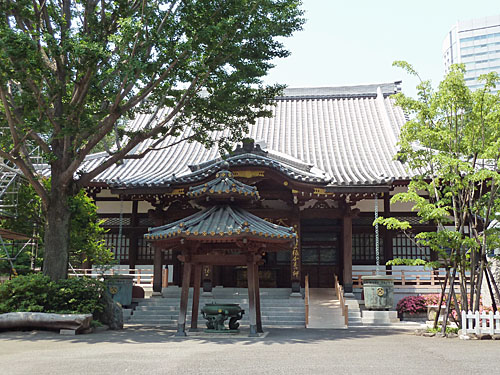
x,y
452,146
86,244
71,72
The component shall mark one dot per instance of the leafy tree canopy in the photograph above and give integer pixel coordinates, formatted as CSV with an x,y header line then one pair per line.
x,y
452,145
72,72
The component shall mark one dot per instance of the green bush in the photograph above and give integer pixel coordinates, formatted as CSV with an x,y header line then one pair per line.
x,y
37,293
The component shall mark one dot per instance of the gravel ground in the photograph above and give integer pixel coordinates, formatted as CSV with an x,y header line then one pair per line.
x,y
281,351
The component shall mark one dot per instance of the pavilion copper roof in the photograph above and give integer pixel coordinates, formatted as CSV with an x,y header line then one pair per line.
x,y
344,136
221,222
224,186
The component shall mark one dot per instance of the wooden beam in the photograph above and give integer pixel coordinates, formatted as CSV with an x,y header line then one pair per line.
x,y
257,299
220,260
196,297
157,266
347,247
186,278
251,299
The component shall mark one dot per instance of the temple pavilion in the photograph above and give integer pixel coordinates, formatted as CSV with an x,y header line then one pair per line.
x,y
221,234
323,165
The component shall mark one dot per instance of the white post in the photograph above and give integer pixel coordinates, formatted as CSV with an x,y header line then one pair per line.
x,y
492,324
464,322
478,325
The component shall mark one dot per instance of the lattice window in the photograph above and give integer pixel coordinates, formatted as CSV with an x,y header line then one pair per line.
x,y
146,222
363,248
407,248
119,245
115,221
144,250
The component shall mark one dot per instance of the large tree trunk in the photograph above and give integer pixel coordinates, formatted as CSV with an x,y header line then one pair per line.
x,y
56,244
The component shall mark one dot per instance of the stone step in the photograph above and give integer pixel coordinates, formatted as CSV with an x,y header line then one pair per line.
x,y
263,313
200,318
243,306
270,303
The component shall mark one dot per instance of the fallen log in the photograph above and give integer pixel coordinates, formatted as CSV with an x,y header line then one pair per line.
x,y
16,320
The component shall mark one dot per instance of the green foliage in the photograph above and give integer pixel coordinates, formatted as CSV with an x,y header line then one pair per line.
x,y
406,262
37,293
451,143
71,73
86,233
449,329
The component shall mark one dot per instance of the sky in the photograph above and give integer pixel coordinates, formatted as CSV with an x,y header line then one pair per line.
x,y
355,42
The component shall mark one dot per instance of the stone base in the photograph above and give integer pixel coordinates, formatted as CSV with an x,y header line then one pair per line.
x,y
379,317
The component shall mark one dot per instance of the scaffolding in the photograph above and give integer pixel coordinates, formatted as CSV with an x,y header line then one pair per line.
x,y
12,244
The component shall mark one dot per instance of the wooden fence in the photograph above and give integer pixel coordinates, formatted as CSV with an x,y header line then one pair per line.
x,y
142,277
405,278
481,323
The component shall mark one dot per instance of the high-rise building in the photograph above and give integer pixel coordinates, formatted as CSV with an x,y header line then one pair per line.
x,y
475,43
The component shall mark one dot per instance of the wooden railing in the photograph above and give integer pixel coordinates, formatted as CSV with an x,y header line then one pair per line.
x,y
142,277
306,298
340,295
406,278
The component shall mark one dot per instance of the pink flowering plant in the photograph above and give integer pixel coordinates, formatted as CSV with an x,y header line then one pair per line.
x,y
412,305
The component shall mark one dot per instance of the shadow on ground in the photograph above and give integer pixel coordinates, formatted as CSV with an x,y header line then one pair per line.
x,y
141,335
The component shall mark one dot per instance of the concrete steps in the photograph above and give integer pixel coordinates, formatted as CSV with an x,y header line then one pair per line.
x,y
278,309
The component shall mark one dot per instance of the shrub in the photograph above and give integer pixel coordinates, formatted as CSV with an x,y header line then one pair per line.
x,y
412,305
37,293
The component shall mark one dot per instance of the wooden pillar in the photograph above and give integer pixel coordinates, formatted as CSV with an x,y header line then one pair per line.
x,y
347,246
295,262
251,298
186,278
258,315
157,267
134,222
196,297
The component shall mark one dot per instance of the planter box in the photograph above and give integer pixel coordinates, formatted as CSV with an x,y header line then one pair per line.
x,y
432,312
416,317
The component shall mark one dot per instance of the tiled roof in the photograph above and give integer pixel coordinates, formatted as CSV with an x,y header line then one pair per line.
x,y
222,222
224,186
340,136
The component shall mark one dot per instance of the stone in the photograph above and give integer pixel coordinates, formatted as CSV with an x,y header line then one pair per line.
x,y
464,337
429,334
484,336
495,337
112,315
451,335
68,332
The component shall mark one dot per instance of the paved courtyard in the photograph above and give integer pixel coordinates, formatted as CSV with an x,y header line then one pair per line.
x,y
282,351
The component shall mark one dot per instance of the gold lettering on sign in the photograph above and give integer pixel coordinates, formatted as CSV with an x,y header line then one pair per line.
x,y
295,264
248,174
206,272
177,192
